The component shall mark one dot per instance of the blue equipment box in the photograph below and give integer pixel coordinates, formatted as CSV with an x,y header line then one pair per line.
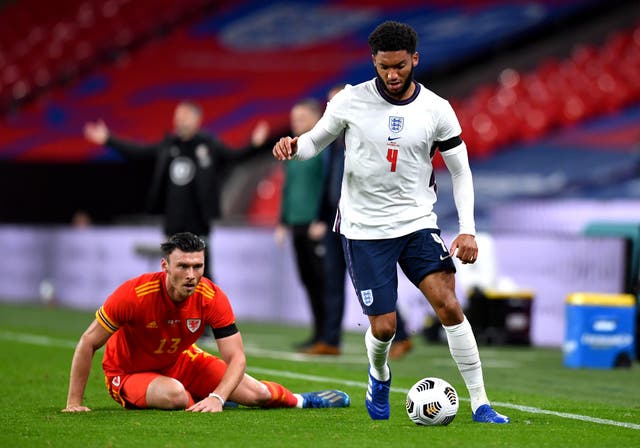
x,y
600,330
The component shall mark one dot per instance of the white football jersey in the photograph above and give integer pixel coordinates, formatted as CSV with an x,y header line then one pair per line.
x,y
388,186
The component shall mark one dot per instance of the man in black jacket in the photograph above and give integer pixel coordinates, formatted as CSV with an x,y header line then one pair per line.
x,y
189,169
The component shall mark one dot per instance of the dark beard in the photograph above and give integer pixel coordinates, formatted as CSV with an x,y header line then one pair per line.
x,y
404,88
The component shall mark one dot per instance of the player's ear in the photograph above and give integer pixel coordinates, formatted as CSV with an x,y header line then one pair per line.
x,y
164,264
415,59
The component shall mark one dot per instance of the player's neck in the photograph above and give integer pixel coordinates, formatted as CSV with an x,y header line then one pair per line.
x,y
407,93
401,99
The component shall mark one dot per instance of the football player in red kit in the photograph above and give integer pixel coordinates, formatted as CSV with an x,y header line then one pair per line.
x,y
150,325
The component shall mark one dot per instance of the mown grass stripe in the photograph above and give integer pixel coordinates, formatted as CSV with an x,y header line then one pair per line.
x,y
62,343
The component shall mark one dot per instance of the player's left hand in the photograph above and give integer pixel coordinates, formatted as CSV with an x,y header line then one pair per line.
x,y
209,404
465,248
78,408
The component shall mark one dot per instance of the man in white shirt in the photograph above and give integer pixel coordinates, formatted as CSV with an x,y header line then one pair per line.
x,y
393,126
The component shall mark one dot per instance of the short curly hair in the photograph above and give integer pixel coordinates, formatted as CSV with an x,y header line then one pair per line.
x,y
185,241
393,36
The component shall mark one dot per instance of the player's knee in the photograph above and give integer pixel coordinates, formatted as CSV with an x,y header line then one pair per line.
x,y
177,399
384,329
167,394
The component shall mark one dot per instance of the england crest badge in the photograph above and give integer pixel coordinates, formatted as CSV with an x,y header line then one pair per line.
x,y
367,297
396,124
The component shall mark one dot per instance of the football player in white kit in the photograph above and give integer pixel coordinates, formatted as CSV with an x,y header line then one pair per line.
x,y
393,126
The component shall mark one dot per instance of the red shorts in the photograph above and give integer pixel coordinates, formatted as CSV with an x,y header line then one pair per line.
x,y
198,371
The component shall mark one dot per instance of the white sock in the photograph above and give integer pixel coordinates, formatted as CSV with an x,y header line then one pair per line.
x,y
464,350
300,400
378,353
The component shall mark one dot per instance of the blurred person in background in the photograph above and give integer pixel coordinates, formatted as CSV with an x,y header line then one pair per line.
x,y
190,165
392,127
330,334
402,343
150,325
300,207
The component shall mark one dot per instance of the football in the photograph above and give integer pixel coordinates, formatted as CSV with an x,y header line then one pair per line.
x,y
432,402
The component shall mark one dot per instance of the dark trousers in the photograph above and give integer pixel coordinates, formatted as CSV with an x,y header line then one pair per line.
x,y
208,259
310,262
336,270
401,330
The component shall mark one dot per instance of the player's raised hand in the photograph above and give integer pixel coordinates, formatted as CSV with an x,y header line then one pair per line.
x,y
285,148
96,132
260,133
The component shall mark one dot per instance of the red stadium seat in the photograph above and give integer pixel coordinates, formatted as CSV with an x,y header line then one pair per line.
x,y
67,37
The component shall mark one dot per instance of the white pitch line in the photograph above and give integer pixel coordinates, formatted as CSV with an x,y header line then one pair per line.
x,y
35,339
582,418
54,342
529,409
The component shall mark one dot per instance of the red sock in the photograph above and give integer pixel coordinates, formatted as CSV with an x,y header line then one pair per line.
x,y
281,397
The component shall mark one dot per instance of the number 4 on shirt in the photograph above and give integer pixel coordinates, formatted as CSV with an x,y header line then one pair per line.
x,y
392,157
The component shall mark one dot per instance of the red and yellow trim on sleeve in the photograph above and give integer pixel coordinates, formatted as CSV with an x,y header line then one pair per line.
x,y
148,288
103,319
207,291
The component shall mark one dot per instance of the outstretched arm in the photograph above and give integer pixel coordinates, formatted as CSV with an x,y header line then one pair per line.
x,y
325,131
92,339
306,146
259,137
98,133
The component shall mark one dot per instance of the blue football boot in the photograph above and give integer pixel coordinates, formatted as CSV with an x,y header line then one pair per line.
x,y
486,414
326,399
377,398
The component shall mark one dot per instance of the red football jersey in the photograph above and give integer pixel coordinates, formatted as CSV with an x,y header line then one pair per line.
x,y
150,330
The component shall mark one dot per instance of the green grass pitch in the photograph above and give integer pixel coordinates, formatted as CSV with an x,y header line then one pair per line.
x,y
550,406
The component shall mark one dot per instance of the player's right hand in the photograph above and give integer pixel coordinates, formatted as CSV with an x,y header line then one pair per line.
x,y
209,404
285,148
96,132
78,408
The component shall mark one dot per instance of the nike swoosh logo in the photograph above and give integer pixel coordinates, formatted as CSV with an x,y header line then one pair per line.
x,y
390,139
444,258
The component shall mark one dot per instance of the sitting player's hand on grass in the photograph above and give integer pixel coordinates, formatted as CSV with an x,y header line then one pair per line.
x,y
213,403
76,408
